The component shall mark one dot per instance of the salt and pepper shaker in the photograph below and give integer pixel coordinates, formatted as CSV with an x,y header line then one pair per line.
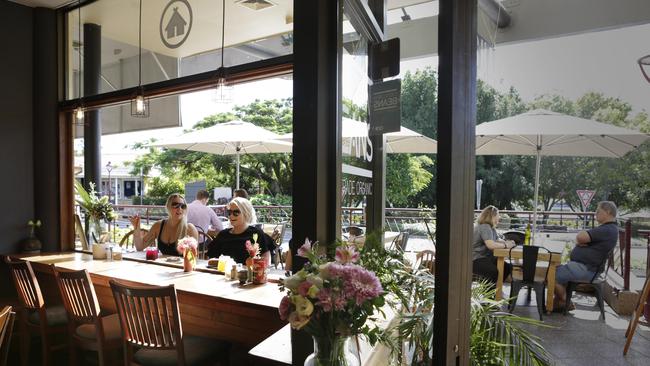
x,y
233,272
109,253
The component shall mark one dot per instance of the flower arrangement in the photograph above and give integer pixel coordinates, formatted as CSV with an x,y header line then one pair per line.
x,y
98,208
187,247
332,300
33,224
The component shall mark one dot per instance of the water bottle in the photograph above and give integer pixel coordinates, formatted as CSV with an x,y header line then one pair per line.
x,y
527,236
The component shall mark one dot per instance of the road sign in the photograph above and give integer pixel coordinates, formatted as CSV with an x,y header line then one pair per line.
x,y
585,197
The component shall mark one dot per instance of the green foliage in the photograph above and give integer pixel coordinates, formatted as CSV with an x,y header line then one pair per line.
x,y
96,207
268,200
163,187
406,176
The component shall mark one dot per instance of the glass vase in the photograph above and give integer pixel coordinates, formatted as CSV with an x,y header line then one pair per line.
x,y
96,229
189,260
332,352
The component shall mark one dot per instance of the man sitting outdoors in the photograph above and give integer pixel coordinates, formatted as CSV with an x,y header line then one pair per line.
x,y
592,247
203,216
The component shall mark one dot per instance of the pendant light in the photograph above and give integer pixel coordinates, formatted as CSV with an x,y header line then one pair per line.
x,y
79,112
224,89
140,104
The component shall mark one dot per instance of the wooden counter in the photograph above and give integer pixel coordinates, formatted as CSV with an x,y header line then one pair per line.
x,y
209,305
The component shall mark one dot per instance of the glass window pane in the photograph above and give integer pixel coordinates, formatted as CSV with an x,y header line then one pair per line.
x,y
179,38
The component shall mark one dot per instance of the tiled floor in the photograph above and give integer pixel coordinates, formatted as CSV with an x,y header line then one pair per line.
x,y
582,338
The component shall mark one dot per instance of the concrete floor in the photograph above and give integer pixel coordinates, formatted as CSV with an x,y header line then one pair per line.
x,y
582,338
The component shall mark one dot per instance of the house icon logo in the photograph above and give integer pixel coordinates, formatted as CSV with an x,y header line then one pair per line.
x,y
175,23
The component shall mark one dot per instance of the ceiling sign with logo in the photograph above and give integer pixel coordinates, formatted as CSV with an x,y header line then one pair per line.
x,y
585,197
175,23
385,108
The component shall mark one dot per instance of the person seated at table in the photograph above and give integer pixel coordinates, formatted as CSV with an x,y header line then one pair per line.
x,y
486,240
592,247
166,233
202,216
232,241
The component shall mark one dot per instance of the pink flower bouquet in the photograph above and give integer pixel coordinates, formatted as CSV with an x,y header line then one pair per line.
x,y
187,247
331,299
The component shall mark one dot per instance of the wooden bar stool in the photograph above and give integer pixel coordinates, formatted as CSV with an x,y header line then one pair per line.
x,y
87,329
35,317
151,322
6,330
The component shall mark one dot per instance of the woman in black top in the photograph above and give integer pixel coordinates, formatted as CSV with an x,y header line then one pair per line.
x,y
166,233
232,241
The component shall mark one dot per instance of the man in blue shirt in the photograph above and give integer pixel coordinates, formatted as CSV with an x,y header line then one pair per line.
x,y
592,247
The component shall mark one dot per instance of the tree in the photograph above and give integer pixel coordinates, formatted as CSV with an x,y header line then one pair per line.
x,y
266,172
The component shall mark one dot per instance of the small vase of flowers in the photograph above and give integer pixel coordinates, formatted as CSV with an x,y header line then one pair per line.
x,y
31,243
186,247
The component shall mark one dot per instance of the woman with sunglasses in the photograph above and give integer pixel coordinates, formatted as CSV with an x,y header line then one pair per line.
x,y
486,240
232,241
166,232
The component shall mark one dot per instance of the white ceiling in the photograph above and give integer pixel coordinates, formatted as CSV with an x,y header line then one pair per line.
x,y
52,4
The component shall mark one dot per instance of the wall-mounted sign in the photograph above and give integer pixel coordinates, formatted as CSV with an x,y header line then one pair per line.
x,y
384,58
175,23
384,107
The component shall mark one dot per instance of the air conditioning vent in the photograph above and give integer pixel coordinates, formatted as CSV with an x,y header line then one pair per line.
x,y
256,4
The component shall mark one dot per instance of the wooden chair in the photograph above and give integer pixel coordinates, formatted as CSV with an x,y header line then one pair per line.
x,y
427,258
399,243
204,240
127,241
6,330
35,317
87,329
150,321
276,232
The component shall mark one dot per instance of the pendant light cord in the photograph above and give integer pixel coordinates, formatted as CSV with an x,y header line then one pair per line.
x,y
223,34
79,49
140,47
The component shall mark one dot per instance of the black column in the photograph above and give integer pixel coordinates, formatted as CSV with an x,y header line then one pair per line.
x,y
375,213
455,181
46,171
92,47
316,132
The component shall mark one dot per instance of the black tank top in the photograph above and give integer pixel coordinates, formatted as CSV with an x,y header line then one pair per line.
x,y
166,248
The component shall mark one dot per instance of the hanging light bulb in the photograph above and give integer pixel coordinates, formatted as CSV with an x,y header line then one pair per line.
x,y
79,112
79,115
223,92
140,104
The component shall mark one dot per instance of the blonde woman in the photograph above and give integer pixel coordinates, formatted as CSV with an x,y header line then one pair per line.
x,y
232,241
486,240
166,232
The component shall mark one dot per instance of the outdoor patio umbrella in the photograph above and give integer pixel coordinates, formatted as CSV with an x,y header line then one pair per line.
x,y
404,141
541,132
230,138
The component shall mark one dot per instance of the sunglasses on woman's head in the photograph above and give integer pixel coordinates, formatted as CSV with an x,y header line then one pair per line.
x,y
233,212
179,204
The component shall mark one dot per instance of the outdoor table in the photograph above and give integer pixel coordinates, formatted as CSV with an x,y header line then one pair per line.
x,y
389,236
553,259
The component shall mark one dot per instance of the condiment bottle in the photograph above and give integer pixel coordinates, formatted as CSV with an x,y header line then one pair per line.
x,y
233,272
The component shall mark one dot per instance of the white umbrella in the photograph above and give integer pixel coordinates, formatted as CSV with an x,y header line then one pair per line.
x,y
230,138
403,141
541,132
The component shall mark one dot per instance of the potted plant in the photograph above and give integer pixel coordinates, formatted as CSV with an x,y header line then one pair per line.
x,y
98,209
31,243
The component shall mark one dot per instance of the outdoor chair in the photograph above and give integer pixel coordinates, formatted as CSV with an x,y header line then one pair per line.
x,y
35,318
529,278
204,240
87,328
81,233
597,282
517,236
153,326
6,330
128,241
278,236
399,243
427,258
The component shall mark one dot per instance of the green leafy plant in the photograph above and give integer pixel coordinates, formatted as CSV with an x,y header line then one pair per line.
x,y
33,224
98,208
